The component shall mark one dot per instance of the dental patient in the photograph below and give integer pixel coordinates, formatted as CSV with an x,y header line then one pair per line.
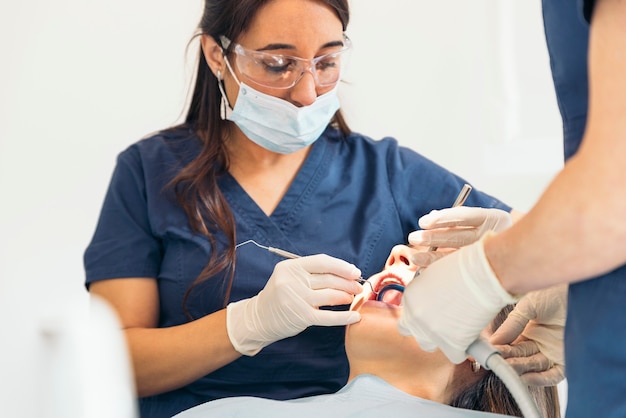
x,y
389,373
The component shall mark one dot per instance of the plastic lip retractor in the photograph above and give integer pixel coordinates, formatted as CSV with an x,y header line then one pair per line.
x,y
392,286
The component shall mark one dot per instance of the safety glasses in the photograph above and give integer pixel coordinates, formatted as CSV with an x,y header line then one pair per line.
x,y
284,71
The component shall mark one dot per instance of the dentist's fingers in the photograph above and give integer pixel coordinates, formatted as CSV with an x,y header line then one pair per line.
x,y
426,258
459,226
330,281
550,377
525,348
323,263
445,237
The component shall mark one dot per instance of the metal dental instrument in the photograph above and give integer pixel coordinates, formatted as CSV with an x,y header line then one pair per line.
x,y
287,254
460,199
282,253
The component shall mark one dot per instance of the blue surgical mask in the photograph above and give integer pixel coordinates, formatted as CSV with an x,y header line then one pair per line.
x,y
274,123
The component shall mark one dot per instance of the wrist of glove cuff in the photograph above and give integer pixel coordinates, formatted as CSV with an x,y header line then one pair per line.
x,y
482,280
242,329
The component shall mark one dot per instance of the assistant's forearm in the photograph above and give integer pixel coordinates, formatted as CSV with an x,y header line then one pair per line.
x,y
576,229
168,358
571,234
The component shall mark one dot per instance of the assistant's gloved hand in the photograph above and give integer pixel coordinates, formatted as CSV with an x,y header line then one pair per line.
x,y
452,301
454,228
289,302
531,338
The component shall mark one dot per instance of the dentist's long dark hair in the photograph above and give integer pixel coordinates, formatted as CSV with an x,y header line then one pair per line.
x,y
196,184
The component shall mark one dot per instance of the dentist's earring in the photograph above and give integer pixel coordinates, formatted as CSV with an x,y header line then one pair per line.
x,y
475,366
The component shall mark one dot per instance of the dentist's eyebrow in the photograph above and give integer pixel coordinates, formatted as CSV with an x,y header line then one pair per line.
x,y
272,47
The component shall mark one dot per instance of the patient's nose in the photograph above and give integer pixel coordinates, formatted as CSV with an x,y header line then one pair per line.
x,y
400,255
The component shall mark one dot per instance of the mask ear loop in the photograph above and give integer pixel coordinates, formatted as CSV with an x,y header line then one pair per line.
x,y
225,109
222,101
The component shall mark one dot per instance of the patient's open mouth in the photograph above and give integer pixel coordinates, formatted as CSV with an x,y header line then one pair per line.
x,y
389,290
386,288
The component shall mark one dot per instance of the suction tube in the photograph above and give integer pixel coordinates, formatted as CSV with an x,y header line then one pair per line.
x,y
490,359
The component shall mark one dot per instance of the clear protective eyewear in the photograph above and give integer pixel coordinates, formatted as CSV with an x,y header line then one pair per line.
x,y
284,71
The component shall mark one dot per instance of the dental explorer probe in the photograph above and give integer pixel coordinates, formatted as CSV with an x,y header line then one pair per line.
x,y
287,254
460,199
282,253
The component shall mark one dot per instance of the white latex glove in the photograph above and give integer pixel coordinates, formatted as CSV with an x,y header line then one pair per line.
x,y
289,302
454,228
531,338
452,301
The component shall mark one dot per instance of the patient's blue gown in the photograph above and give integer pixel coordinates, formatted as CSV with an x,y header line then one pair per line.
x,y
366,396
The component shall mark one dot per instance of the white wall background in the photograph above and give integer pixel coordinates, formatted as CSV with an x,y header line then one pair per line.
x,y
466,83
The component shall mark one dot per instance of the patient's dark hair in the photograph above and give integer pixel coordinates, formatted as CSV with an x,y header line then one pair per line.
x,y
490,394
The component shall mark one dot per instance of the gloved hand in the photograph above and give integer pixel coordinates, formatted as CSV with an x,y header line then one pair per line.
x,y
531,338
289,302
452,301
454,228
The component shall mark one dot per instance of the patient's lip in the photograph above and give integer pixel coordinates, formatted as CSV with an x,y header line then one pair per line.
x,y
388,279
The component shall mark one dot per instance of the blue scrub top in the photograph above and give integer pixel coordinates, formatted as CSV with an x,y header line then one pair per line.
x,y
353,198
595,334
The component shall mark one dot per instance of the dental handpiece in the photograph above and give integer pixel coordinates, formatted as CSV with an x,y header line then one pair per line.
x,y
460,199
491,359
